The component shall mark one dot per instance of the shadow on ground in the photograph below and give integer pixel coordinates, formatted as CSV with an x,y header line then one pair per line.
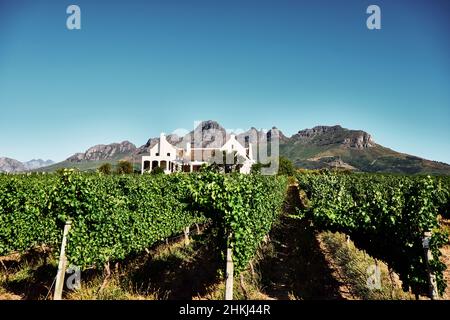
x,y
35,278
179,272
293,265
185,273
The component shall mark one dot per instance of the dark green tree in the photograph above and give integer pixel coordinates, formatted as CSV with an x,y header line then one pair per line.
x,y
285,167
256,167
157,170
105,168
124,167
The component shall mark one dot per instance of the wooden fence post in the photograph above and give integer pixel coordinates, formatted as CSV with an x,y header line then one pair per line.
x,y
434,294
186,236
62,264
229,274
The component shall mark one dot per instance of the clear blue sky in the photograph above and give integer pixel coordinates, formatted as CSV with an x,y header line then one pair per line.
x,y
137,68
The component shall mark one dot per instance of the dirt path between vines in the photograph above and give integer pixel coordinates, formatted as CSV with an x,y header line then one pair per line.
x,y
295,267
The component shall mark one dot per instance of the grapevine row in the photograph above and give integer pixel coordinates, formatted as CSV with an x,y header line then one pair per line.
x,y
385,215
115,216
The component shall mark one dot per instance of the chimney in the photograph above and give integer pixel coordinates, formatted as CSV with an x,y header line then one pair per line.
x,y
162,137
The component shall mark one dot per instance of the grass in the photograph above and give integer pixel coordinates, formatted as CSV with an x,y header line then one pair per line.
x,y
29,276
294,264
169,271
114,290
249,288
174,271
445,225
355,269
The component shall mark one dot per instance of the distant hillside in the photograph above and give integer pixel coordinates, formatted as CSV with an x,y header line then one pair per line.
x,y
84,165
37,163
97,155
12,166
328,147
114,151
319,147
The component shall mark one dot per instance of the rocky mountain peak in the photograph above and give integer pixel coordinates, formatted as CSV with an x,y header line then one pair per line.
x,y
207,134
359,140
337,135
104,152
209,125
37,163
12,166
317,130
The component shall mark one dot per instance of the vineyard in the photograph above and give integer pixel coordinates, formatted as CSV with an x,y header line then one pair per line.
x,y
385,215
114,217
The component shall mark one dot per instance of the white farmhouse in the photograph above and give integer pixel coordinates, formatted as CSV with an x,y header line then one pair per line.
x,y
172,159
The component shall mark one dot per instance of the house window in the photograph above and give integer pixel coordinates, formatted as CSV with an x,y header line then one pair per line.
x,y
168,154
157,154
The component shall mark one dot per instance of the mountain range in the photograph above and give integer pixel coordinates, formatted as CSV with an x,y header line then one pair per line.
x,y
11,165
316,148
